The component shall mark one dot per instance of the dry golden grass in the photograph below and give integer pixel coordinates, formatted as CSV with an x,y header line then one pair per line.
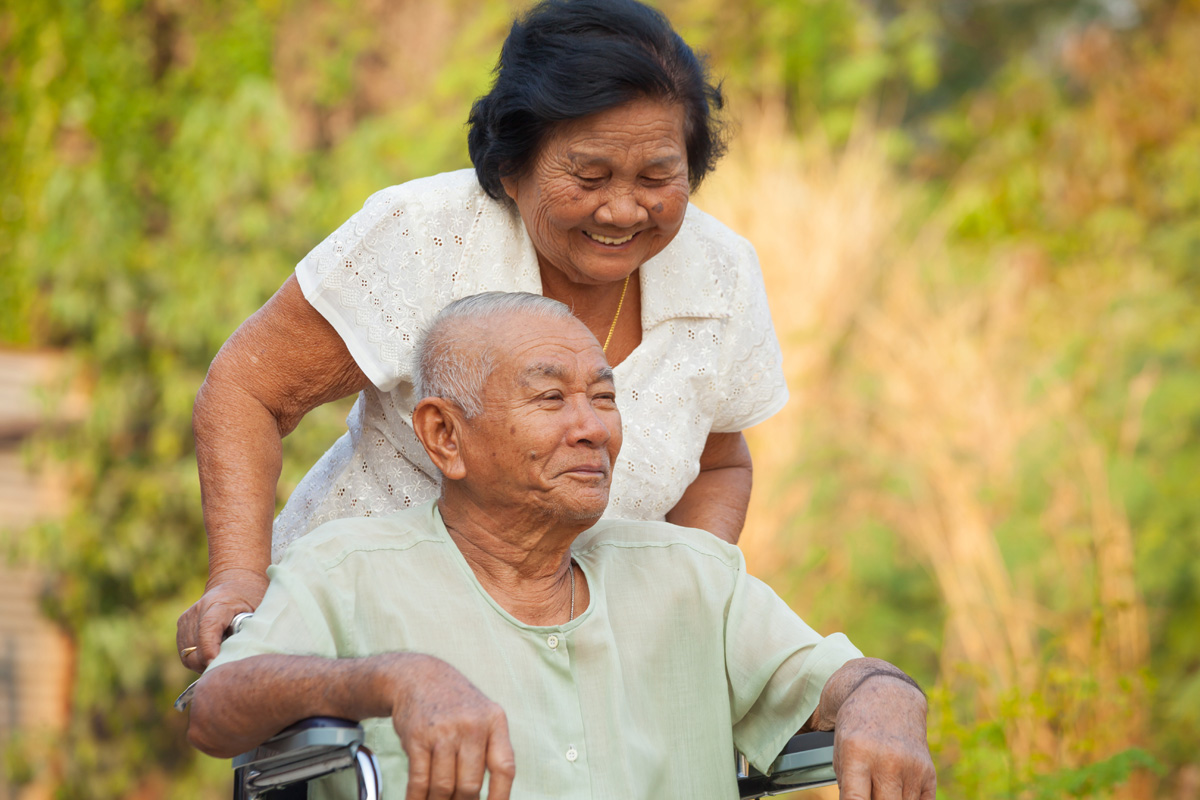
x,y
857,298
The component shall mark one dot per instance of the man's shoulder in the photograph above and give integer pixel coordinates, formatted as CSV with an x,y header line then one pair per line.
x,y
334,542
622,535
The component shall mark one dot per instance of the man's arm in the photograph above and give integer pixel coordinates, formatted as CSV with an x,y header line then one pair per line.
x,y
877,714
449,729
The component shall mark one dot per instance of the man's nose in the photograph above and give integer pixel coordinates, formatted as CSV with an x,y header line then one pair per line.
x,y
587,426
622,208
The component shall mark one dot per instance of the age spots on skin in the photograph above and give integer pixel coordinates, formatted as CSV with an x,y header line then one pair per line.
x,y
512,431
658,208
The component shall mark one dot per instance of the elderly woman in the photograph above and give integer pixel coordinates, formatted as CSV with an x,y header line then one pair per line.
x,y
600,123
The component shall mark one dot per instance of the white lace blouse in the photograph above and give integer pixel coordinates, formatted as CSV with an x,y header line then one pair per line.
x,y
708,360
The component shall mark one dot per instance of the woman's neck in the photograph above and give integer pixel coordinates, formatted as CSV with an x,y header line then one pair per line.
x,y
595,305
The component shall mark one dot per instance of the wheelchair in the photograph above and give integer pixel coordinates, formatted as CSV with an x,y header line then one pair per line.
x,y
281,767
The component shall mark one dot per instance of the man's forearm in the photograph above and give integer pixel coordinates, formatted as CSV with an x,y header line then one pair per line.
x,y
239,705
847,680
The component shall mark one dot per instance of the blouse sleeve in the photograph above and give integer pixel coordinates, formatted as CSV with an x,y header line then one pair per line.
x,y
752,386
377,277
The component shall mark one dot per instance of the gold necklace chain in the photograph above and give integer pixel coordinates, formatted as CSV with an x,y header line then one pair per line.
x,y
616,316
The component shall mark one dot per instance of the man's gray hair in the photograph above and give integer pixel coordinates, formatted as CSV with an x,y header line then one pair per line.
x,y
453,363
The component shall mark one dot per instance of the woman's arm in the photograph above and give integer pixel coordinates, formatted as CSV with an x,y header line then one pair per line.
x,y
719,496
282,362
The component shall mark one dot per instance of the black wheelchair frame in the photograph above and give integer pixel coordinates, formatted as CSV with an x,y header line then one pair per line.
x,y
282,766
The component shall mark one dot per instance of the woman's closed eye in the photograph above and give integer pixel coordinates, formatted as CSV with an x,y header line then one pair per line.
x,y
656,180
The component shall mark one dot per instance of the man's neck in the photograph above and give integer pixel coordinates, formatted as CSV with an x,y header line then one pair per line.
x,y
522,560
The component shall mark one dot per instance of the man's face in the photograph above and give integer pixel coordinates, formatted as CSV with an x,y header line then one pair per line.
x,y
550,431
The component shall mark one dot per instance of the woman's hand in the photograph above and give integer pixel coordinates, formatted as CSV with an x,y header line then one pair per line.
x,y
719,496
202,627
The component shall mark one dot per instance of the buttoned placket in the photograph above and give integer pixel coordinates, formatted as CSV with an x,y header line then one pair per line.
x,y
556,643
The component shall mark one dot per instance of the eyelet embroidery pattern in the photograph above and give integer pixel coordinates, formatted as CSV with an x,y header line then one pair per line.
x,y
708,360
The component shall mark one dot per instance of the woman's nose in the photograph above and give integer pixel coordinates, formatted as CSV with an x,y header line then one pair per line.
x,y
622,209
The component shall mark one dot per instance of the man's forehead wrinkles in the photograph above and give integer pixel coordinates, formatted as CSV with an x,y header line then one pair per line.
x,y
542,370
559,372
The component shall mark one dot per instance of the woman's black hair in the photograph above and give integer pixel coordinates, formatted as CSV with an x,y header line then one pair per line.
x,y
566,59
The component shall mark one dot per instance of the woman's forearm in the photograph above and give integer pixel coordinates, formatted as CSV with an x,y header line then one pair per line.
x,y
239,456
717,499
284,361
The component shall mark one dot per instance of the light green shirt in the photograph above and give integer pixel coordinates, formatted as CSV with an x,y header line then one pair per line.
x,y
679,657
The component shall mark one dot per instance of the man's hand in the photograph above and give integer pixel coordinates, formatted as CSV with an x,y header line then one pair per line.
x,y
877,715
203,625
879,747
451,733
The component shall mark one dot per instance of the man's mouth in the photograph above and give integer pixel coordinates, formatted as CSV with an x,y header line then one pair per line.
x,y
609,240
589,471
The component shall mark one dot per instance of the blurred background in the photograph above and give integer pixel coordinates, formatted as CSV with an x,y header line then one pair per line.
x,y
979,222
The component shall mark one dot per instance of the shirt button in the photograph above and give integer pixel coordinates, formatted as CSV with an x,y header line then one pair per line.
x,y
572,754
552,641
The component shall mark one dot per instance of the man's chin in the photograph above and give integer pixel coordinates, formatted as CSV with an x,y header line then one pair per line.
x,y
583,509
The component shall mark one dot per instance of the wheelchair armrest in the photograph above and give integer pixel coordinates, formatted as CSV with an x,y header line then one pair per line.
x,y
311,748
805,762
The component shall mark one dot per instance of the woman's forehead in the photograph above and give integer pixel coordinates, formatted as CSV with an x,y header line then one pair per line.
x,y
657,127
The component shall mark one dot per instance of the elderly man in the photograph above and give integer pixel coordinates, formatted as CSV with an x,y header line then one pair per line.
x,y
507,630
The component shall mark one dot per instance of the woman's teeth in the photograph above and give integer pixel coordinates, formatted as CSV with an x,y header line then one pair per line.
x,y
607,239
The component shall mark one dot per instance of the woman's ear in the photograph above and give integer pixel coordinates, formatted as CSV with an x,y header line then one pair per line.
x,y
438,423
509,182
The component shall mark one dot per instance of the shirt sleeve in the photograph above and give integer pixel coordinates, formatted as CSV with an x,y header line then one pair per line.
x,y
777,666
379,277
752,386
296,617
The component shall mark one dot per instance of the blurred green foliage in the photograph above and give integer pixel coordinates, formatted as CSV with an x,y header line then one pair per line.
x,y
164,164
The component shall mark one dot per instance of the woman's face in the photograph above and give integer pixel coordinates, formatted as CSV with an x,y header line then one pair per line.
x,y
607,192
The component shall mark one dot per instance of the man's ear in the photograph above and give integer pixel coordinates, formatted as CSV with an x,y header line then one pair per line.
x,y
438,423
